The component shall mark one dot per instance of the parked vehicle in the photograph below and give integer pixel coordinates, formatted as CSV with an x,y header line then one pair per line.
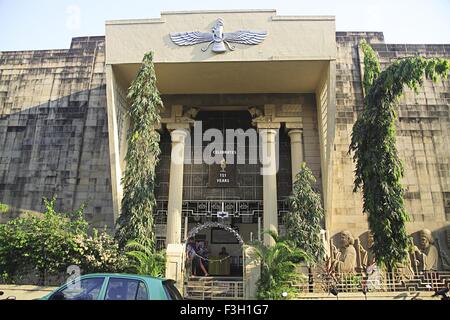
x,y
116,287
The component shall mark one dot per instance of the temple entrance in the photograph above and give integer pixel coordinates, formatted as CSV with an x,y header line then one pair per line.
x,y
210,272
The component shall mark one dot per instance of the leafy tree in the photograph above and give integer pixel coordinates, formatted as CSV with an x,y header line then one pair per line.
x,y
303,222
144,261
278,267
136,219
379,169
47,244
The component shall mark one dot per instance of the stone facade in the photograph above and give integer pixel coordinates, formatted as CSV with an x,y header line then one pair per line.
x,y
54,134
53,130
423,136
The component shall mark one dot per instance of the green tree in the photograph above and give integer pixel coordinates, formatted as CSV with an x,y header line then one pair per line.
x,y
379,169
136,219
303,222
278,267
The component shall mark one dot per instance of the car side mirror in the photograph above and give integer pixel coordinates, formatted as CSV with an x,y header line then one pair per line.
x,y
11,298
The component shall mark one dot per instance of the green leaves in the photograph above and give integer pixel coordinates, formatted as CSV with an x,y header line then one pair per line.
x,y
371,65
47,244
278,267
379,169
136,219
303,222
144,261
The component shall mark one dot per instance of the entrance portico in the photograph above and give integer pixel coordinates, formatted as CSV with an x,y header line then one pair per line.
x,y
285,85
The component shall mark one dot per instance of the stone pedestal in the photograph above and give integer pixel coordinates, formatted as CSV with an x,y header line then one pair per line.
x,y
252,273
175,264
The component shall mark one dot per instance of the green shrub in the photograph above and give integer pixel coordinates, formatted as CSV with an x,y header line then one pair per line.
x,y
47,244
143,260
278,268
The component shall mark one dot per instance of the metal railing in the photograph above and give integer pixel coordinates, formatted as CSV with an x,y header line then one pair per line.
x,y
211,208
380,282
214,289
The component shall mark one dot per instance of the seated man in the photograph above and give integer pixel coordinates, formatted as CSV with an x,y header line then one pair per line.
x,y
223,253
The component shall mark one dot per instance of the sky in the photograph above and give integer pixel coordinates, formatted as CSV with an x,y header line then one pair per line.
x,y
50,24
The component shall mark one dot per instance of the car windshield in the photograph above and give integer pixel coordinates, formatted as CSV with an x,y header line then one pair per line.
x,y
84,289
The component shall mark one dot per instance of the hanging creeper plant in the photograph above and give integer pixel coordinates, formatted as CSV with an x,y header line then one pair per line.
x,y
379,169
136,219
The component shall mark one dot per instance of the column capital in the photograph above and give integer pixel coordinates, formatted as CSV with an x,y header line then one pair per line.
x,y
268,125
178,135
295,135
294,125
172,126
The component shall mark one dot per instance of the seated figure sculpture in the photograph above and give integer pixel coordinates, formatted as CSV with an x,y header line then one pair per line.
x,y
346,259
427,254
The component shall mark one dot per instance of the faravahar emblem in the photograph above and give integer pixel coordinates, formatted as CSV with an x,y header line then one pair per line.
x,y
217,38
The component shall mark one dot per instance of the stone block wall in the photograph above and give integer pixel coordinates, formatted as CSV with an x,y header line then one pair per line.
x,y
423,139
53,130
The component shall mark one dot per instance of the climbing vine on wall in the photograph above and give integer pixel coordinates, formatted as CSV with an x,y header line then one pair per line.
x,y
379,169
136,219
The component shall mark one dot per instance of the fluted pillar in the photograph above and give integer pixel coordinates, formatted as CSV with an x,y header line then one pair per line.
x,y
269,171
296,137
174,207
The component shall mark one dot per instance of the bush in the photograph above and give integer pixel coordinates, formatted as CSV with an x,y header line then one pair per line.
x,y
47,244
278,268
143,260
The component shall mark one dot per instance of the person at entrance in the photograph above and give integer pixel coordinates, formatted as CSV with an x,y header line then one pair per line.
x,y
191,255
200,258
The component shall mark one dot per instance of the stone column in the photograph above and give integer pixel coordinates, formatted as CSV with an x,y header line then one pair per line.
x,y
296,136
269,171
174,217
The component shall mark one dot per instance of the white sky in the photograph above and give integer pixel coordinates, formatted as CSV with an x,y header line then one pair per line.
x,y
48,24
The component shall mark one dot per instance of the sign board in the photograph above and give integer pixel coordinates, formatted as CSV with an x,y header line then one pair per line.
x,y
222,175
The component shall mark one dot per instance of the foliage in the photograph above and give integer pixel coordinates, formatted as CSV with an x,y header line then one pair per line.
x,y
4,208
143,260
371,66
278,267
48,244
378,167
136,219
99,253
305,216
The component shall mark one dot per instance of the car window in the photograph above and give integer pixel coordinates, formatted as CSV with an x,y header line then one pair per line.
x,y
84,289
142,293
172,291
126,289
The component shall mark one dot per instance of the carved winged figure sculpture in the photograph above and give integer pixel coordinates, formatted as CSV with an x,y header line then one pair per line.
x,y
217,38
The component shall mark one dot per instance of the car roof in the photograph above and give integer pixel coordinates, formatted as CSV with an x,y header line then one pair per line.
x,y
124,275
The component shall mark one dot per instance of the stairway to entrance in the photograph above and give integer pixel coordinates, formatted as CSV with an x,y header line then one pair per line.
x,y
214,288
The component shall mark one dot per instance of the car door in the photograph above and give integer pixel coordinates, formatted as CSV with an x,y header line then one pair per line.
x,y
121,288
85,288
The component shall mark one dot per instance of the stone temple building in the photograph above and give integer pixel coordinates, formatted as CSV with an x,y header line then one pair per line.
x,y
293,79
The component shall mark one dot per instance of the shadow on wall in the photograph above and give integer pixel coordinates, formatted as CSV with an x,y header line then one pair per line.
x,y
59,148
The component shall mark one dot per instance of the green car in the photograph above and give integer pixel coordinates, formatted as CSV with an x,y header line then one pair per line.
x,y
106,286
